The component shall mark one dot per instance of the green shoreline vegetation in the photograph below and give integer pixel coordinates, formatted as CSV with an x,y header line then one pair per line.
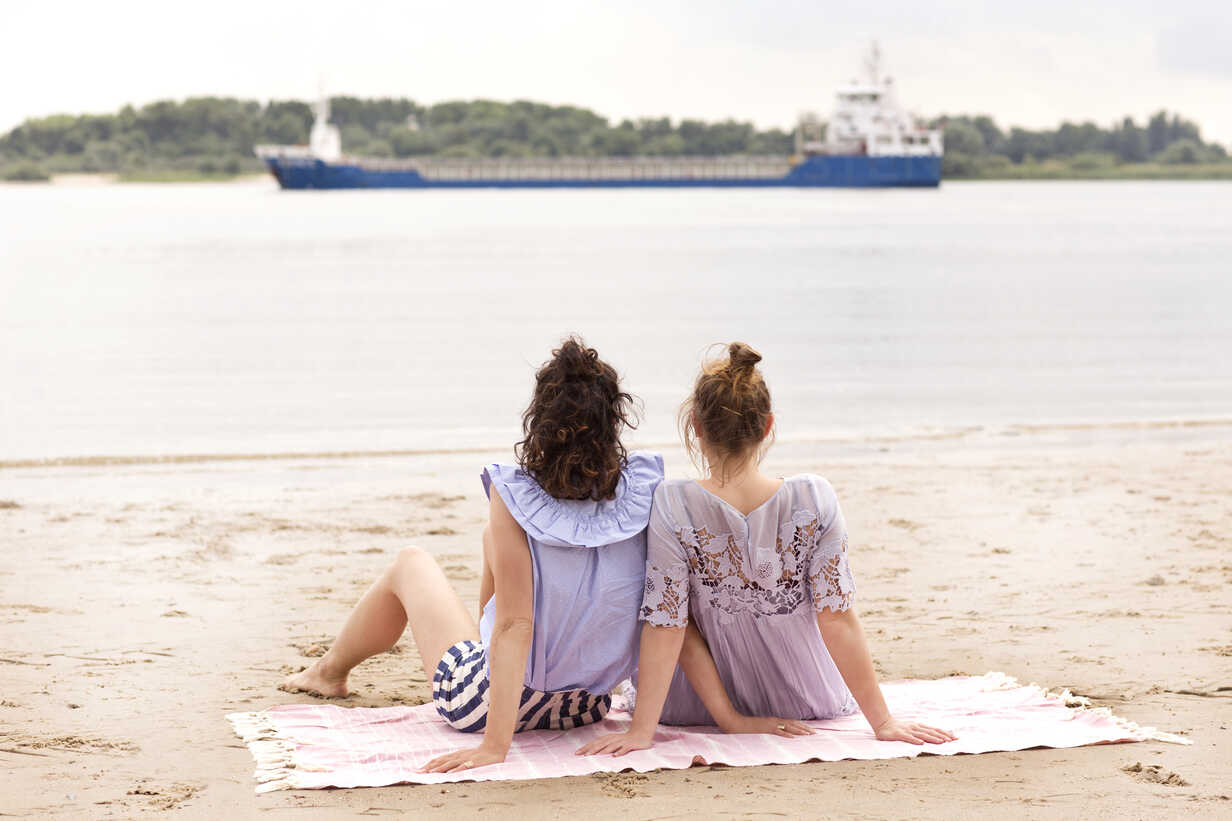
x,y
212,138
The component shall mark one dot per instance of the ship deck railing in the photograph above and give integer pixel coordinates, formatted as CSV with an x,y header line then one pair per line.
x,y
586,168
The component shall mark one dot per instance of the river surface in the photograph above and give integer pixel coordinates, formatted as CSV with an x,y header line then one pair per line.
x,y
151,320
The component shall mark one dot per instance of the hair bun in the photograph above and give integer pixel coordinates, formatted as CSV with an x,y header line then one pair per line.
x,y
729,410
743,358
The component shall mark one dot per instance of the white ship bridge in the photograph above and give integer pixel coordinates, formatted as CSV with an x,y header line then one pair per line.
x,y
868,120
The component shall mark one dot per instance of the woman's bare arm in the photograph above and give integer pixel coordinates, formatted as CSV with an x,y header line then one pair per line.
x,y
698,665
844,638
511,639
656,663
511,636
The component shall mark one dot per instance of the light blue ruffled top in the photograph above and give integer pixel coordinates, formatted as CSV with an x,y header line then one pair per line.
x,y
589,563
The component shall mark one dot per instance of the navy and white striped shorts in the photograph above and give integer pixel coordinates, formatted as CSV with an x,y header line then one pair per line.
x,y
460,693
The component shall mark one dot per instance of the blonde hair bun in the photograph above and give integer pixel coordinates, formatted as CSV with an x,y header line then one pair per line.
x,y
742,359
729,409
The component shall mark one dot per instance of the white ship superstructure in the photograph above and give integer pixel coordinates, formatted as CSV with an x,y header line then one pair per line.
x,y
324,140
868,121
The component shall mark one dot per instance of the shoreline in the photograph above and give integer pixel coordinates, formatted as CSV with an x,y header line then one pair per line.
x,y
976,435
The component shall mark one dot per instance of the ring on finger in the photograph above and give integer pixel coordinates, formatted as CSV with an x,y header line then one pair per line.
x,y
468,764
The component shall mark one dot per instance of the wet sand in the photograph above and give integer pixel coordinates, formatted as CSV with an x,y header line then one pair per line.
x,y
140,603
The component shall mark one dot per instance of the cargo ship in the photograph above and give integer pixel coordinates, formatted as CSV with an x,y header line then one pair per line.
x,y
869,141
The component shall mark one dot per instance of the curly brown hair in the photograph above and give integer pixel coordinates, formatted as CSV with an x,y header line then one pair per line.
x,y
572,427
729,408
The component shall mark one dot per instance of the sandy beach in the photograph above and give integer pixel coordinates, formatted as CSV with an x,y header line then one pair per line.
x,y
140,603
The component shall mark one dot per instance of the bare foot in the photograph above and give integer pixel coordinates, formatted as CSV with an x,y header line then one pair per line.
x,y
316,681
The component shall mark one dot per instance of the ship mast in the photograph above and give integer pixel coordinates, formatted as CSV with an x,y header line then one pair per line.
x,y
320,108
324,140
872,64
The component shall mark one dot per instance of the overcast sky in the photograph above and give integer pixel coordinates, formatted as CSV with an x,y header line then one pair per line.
x,y
1026,63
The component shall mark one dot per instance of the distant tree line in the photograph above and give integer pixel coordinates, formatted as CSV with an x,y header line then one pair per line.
x,y
214,136
975,146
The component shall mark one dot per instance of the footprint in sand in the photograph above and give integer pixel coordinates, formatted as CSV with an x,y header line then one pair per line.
x,y
163,797
373,530
435,501
29,608
1154,774
621,785
459,573
74,743
312,649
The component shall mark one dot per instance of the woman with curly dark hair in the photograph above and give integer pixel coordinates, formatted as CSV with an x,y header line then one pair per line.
x,y
564,557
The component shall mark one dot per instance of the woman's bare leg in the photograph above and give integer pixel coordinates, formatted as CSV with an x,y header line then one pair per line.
x,y
413,591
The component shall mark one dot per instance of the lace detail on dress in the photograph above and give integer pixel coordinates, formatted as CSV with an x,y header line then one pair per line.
x,y
666,599
780,565
831,583
779,581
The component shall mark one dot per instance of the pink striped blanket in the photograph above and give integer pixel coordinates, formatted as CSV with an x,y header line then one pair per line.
x,y
312,746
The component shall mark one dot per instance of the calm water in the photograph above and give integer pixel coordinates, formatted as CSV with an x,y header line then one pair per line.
x,y
237,318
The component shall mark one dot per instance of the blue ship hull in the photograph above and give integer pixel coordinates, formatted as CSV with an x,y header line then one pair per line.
x,y
814,172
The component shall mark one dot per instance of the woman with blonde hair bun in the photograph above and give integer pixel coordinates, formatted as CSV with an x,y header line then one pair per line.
x,y
748,587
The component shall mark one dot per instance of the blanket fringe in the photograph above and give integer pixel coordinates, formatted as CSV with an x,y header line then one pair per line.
x,y
1082,704
274,754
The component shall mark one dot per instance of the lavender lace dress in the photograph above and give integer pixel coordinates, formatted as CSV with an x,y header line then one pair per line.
x,y
752,585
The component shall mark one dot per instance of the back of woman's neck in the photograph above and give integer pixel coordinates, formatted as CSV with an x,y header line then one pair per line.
x,y
746,490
